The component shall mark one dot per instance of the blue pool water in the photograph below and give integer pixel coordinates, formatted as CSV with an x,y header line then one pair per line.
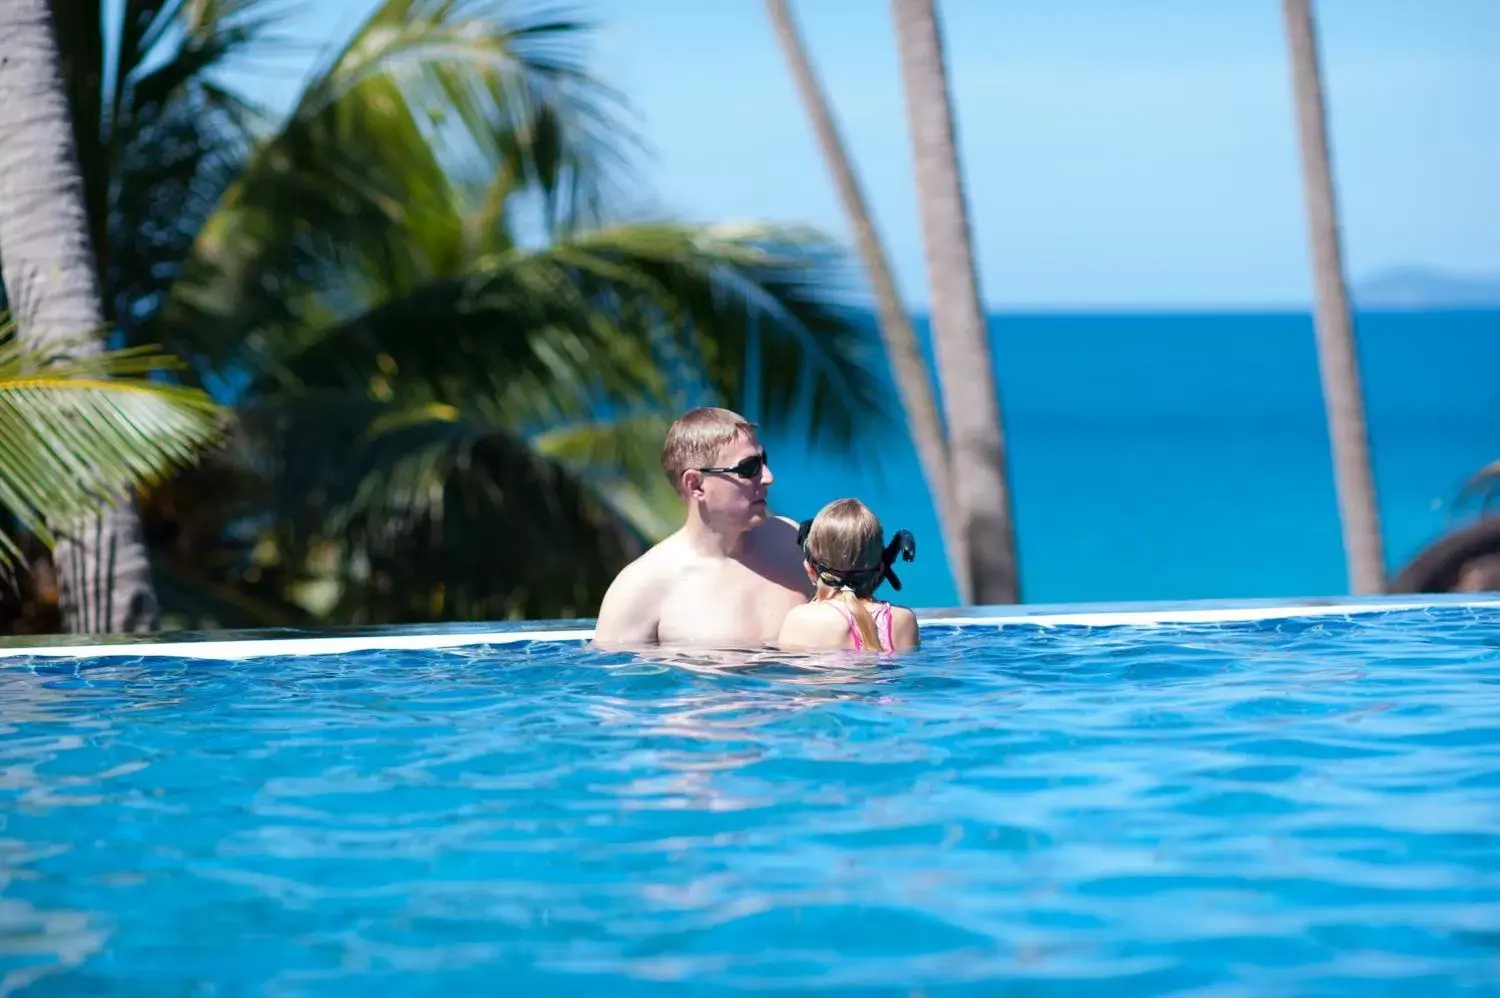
x,y
1306,806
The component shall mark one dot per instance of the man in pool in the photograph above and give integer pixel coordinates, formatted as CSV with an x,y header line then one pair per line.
x,y
732,572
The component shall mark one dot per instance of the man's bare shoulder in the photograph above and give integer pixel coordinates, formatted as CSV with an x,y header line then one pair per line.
x,y
631,609
777,527
664,556
654,566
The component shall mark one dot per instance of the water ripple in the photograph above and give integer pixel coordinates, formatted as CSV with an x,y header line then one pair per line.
x,y
1308,807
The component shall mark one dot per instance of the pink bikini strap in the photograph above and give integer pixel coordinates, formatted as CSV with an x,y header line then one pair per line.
x,y
882,615
884,626
849,619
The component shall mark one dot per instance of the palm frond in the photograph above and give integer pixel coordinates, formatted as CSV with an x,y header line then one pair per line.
x,y
631,318
499,81
77,433
428,95
215,556
174,140
440,514
761,316
620,458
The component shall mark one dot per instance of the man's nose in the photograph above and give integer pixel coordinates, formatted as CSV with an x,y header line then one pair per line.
x,y
766,478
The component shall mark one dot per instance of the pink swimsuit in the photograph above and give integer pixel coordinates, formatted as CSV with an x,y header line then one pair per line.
x,y
881,613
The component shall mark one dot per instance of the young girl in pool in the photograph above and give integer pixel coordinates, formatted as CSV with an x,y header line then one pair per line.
x,y
846,555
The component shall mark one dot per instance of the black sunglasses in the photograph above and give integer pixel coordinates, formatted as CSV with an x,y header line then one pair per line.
x,y
750,467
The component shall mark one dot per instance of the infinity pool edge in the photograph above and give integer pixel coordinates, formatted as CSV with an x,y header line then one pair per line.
x,y
1059,616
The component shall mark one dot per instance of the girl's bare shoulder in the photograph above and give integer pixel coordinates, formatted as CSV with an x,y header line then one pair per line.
x,y
904,627
906,613
818,612
817,624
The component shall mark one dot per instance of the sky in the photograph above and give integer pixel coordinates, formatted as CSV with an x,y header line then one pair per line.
x,y
1116,154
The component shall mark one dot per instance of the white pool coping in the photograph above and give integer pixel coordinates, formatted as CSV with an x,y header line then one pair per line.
x,y
1187,613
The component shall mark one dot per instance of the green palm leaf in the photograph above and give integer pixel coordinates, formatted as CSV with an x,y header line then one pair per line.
x,y
76,433
438,513
620,459
495,78
625,319
512,419
169,139
710,296
427,97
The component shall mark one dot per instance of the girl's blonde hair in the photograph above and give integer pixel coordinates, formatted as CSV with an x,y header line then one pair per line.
x,y
846,547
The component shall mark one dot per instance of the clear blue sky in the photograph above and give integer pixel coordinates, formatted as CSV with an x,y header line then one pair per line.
x,y
1118,152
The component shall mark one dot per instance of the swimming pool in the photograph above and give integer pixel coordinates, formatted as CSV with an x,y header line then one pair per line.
x,y
1212,799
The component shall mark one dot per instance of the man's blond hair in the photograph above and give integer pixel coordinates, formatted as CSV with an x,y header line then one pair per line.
x,y
696,438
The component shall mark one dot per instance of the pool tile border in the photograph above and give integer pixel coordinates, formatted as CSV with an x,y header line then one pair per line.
x,y
466,635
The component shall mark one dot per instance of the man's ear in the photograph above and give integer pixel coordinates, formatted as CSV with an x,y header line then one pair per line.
x,y
692,482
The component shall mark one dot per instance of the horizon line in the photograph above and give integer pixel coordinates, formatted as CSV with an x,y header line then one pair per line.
x,y
1206,308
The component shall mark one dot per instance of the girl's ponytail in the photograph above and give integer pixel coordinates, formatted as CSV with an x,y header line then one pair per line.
x,y
863,622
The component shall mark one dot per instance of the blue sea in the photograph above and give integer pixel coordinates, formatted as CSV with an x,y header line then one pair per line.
x,y
1179,456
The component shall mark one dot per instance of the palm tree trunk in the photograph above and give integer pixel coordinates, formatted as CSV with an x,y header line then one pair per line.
x,y
909,367
1337,360
48,268
78,29
961,342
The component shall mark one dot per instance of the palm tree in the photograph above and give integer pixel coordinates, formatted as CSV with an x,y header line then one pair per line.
x,y
51,285
80,431
903,351
1337,357
960,332
450,362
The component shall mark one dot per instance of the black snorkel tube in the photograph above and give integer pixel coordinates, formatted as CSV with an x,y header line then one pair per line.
x,y
902,544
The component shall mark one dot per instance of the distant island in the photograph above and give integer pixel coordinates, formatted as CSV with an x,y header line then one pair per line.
x,y
1425,287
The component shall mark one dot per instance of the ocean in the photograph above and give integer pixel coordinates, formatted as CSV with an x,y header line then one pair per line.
x,y
1183,456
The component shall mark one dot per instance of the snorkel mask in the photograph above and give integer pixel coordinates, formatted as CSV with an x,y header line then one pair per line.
x,y
902,544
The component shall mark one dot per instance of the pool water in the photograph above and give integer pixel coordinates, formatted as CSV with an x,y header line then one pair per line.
x,y
1297,806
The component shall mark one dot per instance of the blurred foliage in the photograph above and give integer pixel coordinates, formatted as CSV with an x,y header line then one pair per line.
x,y
1481,487
450,356
78,433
